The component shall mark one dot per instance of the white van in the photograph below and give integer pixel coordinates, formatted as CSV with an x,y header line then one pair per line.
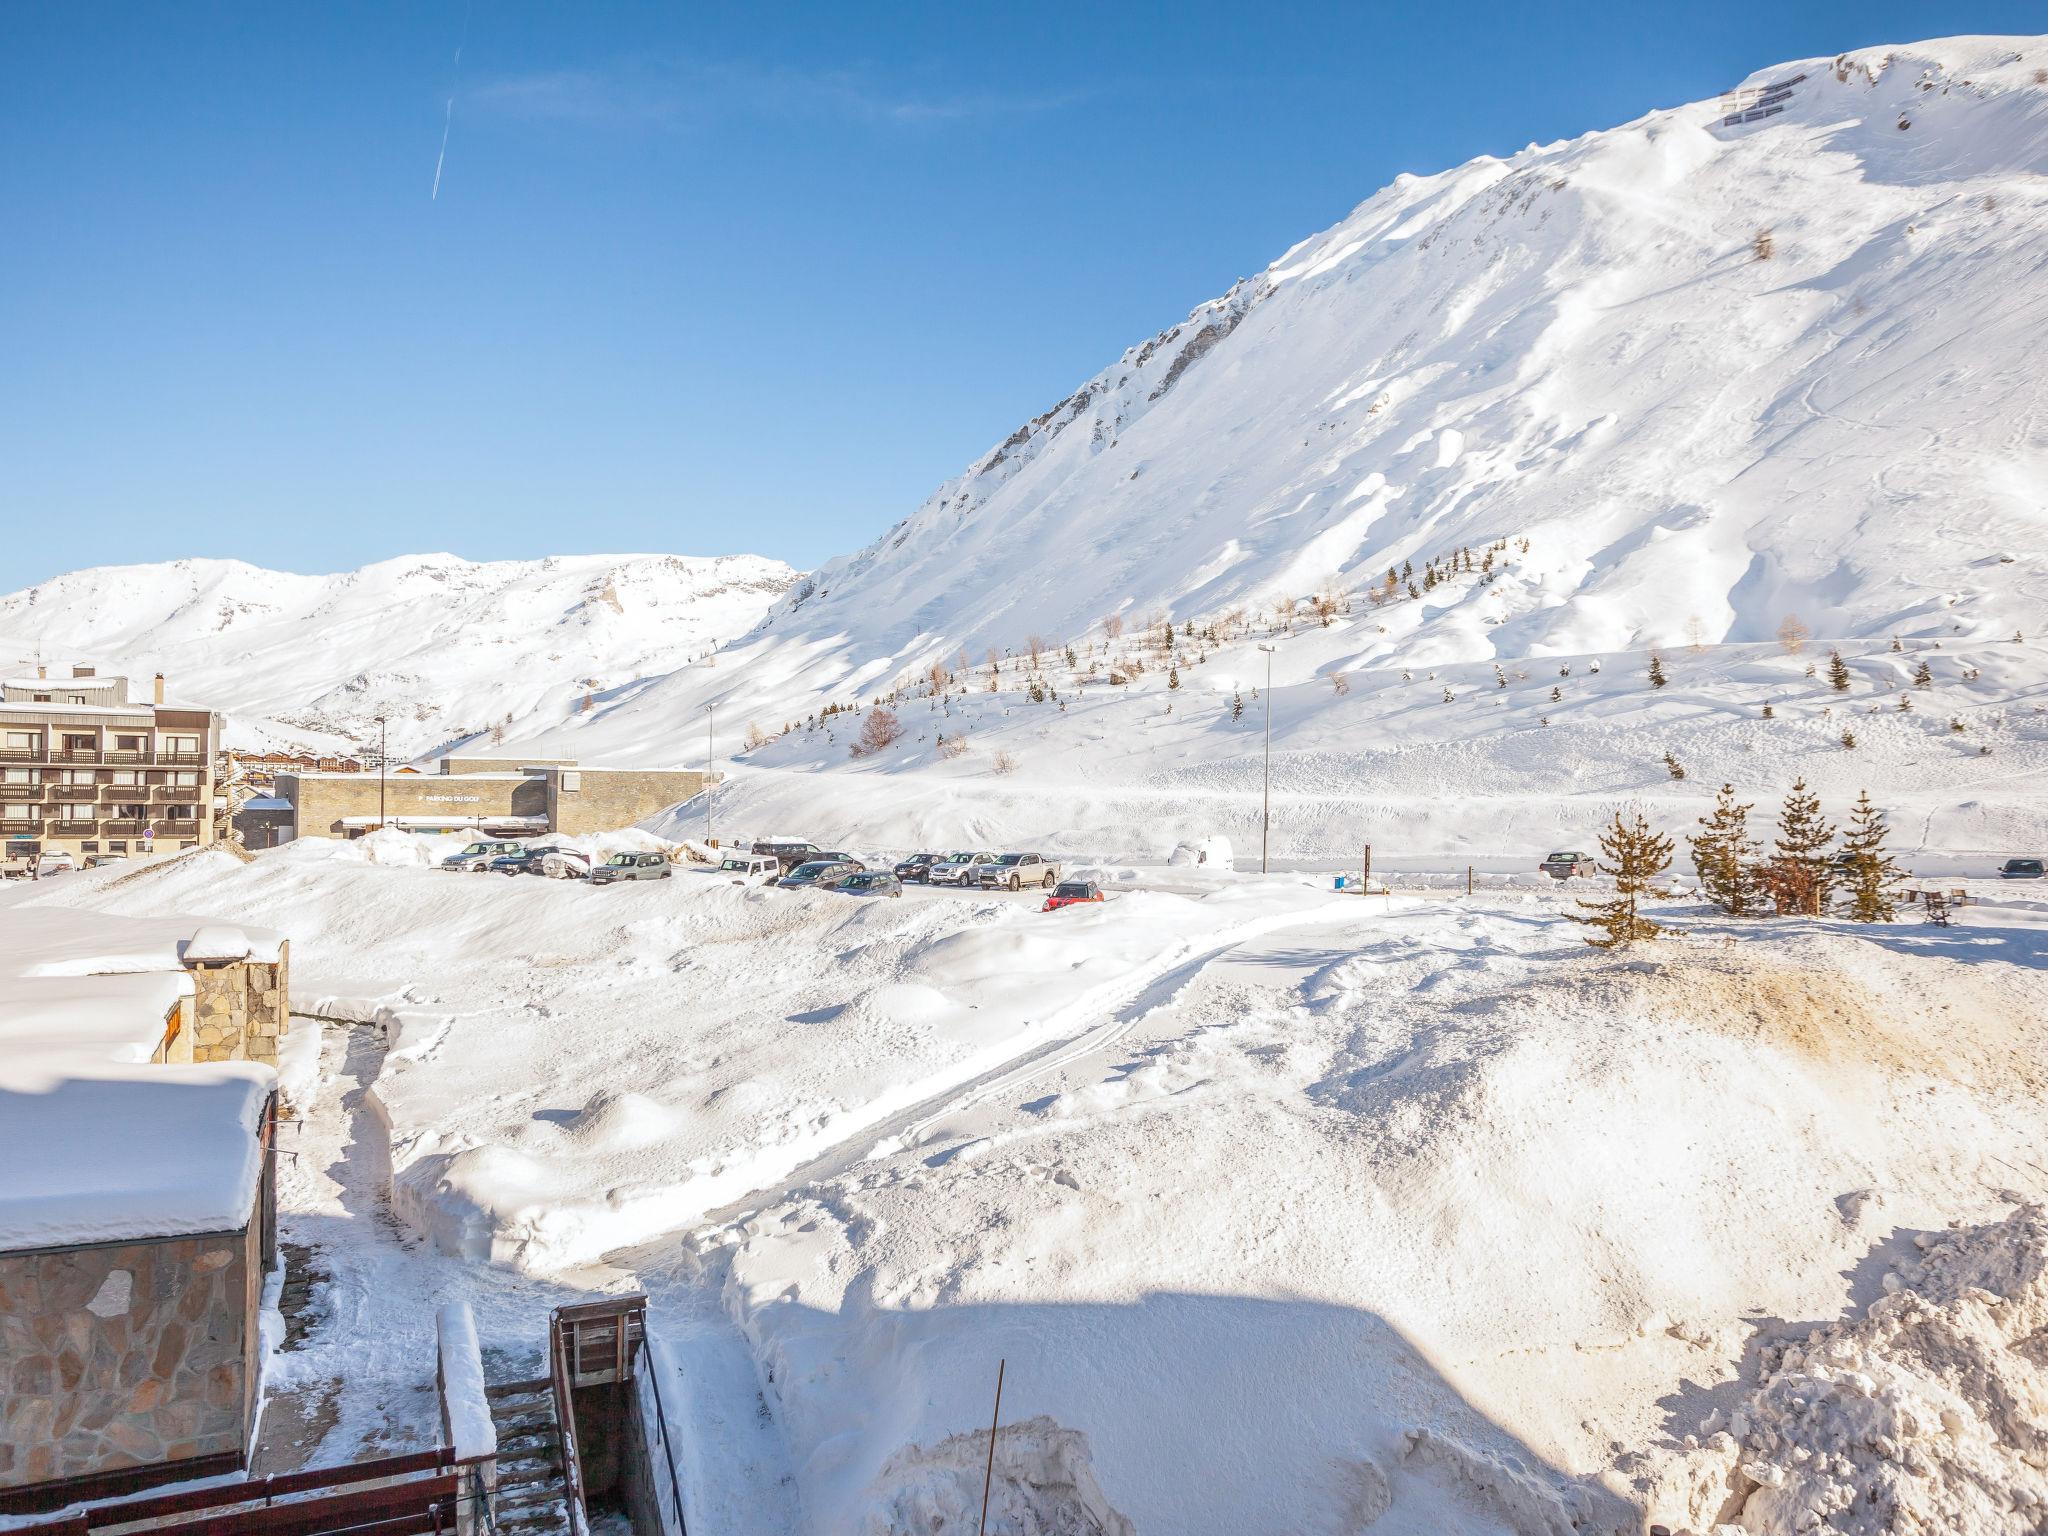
x,y
746,868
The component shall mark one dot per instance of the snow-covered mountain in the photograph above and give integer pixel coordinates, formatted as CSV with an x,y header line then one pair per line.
x,y
446,648
1766,354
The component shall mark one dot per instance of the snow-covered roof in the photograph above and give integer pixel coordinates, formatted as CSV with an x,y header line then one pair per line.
x,y
457,819
96,1143
125,1152
266,803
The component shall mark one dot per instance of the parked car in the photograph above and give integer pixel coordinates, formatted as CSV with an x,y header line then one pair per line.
x,y
525,862
478,856
820,874
565,864
957,868
841,856
631,866
54,862
871,882
747,868
917,867
2022,869
1071,893
96,860
1014,871
787,851
1564,866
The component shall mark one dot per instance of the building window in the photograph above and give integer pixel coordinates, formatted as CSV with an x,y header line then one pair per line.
x,y
129,743
183,846
125,776
186,778
131,812
20,775
69,812
183,812
117,845
24,741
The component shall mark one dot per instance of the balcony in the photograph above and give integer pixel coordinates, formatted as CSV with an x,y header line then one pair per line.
x,y
179,759
122,826
75,755
21,791
18,826
71,828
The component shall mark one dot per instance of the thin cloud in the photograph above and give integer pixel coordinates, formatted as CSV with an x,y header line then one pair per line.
x,y
678,93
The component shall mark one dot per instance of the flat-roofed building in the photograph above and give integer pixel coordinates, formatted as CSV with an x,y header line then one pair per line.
x,y
88,767
497,796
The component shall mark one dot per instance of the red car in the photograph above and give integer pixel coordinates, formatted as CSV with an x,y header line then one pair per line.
x,y
1071,893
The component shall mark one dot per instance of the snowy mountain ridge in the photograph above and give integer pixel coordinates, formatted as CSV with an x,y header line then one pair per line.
x,y
1715,372
446,648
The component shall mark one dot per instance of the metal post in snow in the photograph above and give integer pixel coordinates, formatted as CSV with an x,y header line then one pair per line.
x,y
710,726
989,1472
382,759
1468,879
1365,874
1266,811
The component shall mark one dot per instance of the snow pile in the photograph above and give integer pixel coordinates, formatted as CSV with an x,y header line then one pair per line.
x,y
1927,1413
1043,1485
1209,853
465,1406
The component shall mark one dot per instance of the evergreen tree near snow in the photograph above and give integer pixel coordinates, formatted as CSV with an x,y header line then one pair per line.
x,y
1838,672
1236,705
1657,677
1634,856
1172,676
1801,872
1724,856
1923,675
1871,874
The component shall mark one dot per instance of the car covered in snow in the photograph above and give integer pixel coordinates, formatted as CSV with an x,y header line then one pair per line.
x,y
820,875
565,864
957,868
525,862
746,868
2022,869
478,856
870,882
1014,871
631,866
1072,893
1567,865
917,866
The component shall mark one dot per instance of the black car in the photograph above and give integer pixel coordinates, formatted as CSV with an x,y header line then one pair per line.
x,y
820,875
526,863
2022,869
918,867
870,882
787,851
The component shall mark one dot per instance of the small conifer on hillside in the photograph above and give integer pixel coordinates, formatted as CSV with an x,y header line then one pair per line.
x,y
1801,870
1871,875
1657,677
1634,856
1725,857
1838,672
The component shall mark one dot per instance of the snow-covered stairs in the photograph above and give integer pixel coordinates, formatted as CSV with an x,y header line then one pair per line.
x,y
532,1497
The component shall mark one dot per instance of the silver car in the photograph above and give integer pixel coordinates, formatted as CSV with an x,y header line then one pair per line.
x,y
958,869
1014,871
631,866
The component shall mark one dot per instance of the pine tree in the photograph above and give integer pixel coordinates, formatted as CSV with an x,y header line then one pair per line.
x,y
1838,672
1871,873
1923,675
1634,856
1236,705
1172,676
1724,856
1801,870
1657,677
1770,710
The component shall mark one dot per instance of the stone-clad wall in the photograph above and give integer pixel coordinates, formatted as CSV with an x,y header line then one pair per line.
x,y
126,1354
608,798
241,1009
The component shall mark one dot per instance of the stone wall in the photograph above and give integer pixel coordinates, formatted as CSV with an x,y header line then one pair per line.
x,y
127,1354
241,1009
608,798
319,803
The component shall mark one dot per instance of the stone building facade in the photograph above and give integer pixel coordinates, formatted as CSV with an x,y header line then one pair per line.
x,y
240,1008
503,796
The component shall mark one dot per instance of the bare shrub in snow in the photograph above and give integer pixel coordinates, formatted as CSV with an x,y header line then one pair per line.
x,y
1339,684
1793,634
879,730
1763,245
1003,762
756,737
953,746
1113,625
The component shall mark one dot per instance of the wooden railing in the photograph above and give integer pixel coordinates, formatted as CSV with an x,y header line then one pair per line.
x,y
393,1495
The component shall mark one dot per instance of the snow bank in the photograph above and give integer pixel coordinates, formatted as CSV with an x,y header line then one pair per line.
x,y
459,1371
1043,1485
1927,1412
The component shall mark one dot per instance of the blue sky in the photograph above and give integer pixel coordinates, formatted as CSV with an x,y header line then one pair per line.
x,y
697,278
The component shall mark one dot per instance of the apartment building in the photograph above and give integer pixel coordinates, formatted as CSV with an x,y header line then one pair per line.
x,y
86,768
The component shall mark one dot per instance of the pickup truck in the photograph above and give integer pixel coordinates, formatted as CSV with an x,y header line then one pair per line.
x,y
1565,866
788,852
1014,871
22,867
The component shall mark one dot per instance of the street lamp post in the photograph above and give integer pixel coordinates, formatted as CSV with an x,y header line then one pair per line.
x,y
383,758
1266,812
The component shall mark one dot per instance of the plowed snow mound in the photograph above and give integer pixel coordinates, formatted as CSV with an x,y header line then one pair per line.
x,y
1044,1486
1927,1413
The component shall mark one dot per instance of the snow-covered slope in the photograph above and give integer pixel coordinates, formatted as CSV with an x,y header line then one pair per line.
x,y
444,647
1583,346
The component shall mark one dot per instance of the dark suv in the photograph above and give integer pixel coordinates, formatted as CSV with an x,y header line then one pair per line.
x,y
788,852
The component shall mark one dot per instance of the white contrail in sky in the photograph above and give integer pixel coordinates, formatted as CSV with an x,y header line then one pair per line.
x,y
442,158
448,118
